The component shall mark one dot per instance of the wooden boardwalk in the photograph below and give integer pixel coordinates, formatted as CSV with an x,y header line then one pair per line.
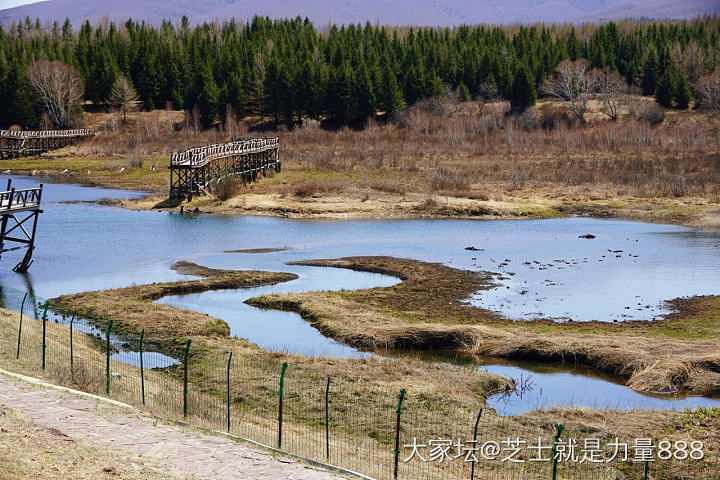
x,y
197,171
26,143
19,212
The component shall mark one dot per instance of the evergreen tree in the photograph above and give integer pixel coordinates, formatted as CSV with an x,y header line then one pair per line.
x,y
348,73
650,73
103,74
390,98
206,96
340,95
235,95
683,93
523,93
665,90
18,107
463,92
415,84
364,105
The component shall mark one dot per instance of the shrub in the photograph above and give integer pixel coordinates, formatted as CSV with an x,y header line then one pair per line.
x,y
554,118
526,120
389,187
228,188
134,162
446,179
79,378
519,178
651,112
306,189
680,187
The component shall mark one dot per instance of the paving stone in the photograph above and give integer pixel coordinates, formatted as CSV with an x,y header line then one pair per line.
x,y
183,451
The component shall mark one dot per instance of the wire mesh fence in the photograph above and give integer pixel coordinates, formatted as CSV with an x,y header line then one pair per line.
x,y
346,422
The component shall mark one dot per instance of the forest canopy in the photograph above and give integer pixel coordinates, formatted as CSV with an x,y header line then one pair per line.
x,y
288,69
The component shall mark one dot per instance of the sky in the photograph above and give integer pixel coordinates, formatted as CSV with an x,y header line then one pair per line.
x,y
14,3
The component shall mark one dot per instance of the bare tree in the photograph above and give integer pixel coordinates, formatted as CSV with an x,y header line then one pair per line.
x,y
572,82
124,96
487,92
60,89
708,92
611,87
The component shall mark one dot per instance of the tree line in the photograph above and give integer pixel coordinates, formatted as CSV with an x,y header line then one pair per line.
x,y
288,69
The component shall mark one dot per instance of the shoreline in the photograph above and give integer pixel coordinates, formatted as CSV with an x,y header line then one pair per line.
x,y
672,355
532,203
707,219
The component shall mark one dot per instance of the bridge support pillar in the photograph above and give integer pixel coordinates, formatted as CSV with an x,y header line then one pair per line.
x,y
19,212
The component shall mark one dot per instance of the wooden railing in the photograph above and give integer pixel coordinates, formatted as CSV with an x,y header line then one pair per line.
x,y
200,156
21,134
13,199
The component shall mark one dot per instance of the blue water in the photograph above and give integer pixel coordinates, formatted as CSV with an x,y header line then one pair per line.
x,y
578,387
543,269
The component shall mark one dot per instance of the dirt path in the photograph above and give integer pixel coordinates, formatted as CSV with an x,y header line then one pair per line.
x,y
118,438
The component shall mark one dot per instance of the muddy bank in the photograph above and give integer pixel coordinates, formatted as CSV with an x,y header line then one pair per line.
x,y
133,309
693,212
427,311
341,197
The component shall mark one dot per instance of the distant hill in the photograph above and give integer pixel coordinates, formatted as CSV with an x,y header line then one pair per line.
x,y
391,12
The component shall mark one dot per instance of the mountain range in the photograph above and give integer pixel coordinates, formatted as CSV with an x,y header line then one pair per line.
x,y
390,12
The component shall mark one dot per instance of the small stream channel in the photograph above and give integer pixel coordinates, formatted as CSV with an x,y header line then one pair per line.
x,y
545,270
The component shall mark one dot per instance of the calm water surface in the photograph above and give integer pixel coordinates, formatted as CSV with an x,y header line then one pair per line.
x,y
543,269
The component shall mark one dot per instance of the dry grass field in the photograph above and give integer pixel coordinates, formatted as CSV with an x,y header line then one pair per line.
x,y
438,159
363,402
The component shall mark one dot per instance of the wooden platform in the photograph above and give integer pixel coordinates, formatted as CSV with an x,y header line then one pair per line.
x,y
26,143
19,209
197,171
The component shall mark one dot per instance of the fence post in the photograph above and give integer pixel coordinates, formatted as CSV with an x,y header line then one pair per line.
x,y
472,465
228,390
327,419
72,351
397,431
22,307
107,358
44,345
560,428
142,367
185,378
280,403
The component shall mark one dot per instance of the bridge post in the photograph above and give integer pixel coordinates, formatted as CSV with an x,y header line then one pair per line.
x,y
19,207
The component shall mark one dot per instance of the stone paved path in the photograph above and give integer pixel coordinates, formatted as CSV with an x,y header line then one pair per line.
x,y
184,452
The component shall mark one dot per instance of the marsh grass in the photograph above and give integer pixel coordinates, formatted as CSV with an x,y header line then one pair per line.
x,y
362,411
458,149
673,355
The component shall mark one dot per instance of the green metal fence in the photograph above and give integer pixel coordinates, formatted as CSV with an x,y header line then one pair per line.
x,y
341,421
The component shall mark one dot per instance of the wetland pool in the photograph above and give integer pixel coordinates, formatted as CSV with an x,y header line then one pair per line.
x,y
544,269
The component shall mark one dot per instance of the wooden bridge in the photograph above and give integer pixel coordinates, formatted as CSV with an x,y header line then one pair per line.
x,y
26,143
197,171
19,209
